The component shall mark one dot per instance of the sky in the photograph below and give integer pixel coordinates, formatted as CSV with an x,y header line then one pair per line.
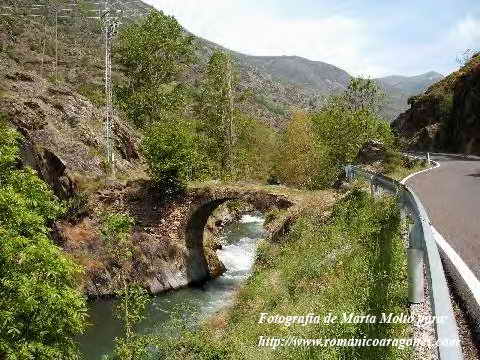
x,y
371,38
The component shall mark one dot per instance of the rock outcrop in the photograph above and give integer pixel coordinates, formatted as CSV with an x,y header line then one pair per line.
x,y
447,116
372,151
62,130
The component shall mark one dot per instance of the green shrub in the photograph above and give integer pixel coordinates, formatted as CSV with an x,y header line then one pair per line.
x,y
170,148
41,310
77,207
392,161
273,107
272,215
94,93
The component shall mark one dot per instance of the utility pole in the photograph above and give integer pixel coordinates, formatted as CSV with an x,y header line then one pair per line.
x,y
56,42
230,112
108,87
111,24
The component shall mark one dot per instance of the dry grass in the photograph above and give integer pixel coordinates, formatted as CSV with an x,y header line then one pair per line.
x,y
82,235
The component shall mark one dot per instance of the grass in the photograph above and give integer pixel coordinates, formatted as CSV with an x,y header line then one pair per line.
x,y
92,92
399,167
352,262
401,173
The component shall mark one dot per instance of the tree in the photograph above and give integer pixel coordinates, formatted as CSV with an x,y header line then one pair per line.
x,y
215,109
171,150
346,123
363,95
315,147
41,310
153,52
299,154
254,149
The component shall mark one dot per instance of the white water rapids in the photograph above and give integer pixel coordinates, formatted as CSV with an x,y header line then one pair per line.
x,y
238,255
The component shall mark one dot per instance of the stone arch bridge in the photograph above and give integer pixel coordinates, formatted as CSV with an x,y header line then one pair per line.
x,y
169,234
203,203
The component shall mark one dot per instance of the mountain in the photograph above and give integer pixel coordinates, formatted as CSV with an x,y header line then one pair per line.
x,y
412,85
321,76
399,89
279,84
447,116
285,82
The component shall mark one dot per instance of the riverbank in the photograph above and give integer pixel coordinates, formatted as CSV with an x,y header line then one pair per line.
x,y
349,261
168,234
238,239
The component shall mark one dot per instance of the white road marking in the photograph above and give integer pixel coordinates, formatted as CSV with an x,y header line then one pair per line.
x,y
435,165
462,268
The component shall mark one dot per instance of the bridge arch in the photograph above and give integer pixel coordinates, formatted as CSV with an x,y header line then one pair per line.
x,y
203,208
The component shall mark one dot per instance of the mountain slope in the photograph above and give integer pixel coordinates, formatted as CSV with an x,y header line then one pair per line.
x,y
278,84
399,89
284,82
412,85
447,116
316,74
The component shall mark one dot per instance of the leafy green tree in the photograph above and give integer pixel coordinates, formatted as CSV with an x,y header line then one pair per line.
x,y
362,95
346,123
130,311
41,310
315,147
153,52
171,151
341,134
298,160
254,149
216,111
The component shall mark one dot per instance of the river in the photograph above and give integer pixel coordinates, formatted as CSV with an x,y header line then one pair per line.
x,y
238,254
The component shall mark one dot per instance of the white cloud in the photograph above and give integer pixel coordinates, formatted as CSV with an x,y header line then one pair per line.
x,y
337,39
351,43
467,32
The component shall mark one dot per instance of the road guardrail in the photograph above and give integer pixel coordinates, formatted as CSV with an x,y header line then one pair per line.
x,y
422,250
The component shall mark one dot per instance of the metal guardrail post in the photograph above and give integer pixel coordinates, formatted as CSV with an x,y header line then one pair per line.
x,y
415,265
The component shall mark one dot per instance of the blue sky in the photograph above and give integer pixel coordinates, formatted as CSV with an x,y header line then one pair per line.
x,y
363,37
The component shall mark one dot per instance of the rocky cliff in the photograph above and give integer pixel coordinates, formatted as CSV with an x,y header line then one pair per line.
x,y
447,116
63,131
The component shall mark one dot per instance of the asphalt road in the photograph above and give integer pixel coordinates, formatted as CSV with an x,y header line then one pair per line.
x,y
451,196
